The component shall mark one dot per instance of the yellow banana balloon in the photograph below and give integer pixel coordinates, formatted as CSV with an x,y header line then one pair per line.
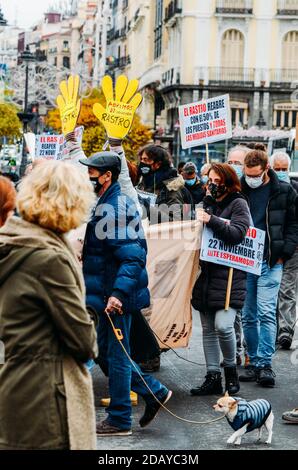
x,y
121,105
69,103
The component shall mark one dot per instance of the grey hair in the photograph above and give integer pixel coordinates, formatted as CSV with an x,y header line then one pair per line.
x,y
280,156
239,148
205,167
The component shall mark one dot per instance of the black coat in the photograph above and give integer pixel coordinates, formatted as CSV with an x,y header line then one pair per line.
x,y
197,192
282,225
209,293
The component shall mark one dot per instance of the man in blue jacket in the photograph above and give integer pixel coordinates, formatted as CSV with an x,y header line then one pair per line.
x,y
114,267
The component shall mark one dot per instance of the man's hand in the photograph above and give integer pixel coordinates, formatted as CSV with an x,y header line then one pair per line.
x,y
114,306
203,216
69,103
121,106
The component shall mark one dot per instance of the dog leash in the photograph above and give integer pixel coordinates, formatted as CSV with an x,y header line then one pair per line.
x,y
119,336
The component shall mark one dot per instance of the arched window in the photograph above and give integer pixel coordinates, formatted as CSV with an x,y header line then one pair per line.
x,y
290,51
232,49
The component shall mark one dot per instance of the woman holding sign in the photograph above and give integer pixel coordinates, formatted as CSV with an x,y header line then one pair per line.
x,y
223,201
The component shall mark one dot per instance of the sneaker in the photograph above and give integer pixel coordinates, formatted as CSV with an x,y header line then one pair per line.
x,y
133,399
266,377
291,416
211,386
152,410
106,429
250,374
285,342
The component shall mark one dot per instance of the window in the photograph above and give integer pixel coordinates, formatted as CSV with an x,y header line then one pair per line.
x,y
290,51
66,62
232,49
239,113
158,29
285,115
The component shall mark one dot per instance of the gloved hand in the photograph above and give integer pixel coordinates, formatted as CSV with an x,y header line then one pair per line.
x,y
120,108
69,103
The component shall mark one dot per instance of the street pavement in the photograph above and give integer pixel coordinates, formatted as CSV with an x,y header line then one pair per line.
x,y
167,433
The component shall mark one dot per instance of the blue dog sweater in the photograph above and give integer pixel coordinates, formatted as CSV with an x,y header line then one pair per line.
x,y
253,413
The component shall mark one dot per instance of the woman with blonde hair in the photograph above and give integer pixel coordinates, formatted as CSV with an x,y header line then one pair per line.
x,y
46,398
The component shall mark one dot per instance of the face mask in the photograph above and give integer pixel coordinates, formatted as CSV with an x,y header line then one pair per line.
x,y
204,179
144,169
191,182
96,184
255,183
216,190
239,170
283,176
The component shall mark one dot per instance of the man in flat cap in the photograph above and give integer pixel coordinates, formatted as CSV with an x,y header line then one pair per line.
x,y
114,267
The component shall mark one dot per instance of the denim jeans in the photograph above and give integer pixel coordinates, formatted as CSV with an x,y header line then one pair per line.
x,y
259,314
122,375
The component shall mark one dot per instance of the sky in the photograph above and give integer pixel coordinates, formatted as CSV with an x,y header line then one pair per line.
x,y
27,12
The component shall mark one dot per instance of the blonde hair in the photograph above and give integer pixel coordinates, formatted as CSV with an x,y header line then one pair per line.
x,y
56,196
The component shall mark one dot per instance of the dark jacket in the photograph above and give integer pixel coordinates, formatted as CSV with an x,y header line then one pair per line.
x,y
197,192
115,265
171,193
294,184
281,221
209,293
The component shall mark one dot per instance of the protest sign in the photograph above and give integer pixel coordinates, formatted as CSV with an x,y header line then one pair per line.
x,y
121,106
54,147
69,103
247,256
205,122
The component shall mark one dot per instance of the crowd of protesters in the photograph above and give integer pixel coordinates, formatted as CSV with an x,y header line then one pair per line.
x,y
68,306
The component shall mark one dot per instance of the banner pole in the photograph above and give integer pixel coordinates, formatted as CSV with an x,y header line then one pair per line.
x,y
229,288
207,154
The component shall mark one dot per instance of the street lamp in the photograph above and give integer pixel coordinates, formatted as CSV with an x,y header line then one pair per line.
x,y
26,57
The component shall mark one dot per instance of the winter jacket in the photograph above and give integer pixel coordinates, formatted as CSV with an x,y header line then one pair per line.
x,y
46,395
197,192
209,293
115,264
281,221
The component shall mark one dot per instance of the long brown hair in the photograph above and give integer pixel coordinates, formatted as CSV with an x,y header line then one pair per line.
x,y
7,198
227,175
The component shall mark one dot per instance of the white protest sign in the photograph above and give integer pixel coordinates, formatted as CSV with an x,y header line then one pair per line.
x,y
53,147
247,256
205,122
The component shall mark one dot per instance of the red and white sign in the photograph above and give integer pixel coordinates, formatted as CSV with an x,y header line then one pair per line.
x,y
205,122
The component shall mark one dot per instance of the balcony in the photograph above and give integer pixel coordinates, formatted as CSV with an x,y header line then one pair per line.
x,y
287,9
120,62
282,78
237,76
172,10
234,7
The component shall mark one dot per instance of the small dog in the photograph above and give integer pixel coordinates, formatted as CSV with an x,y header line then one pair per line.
x,y
244,416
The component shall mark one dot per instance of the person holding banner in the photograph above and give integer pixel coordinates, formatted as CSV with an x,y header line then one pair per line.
x,y
273,208
223,201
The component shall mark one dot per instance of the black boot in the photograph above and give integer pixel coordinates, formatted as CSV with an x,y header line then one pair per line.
x,y
211,386
232,380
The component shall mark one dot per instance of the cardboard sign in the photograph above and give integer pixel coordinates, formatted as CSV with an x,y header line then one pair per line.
x,y
54,147
248,256
205,122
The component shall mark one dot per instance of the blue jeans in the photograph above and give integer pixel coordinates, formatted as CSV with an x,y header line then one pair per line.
x,y
122,375
259,314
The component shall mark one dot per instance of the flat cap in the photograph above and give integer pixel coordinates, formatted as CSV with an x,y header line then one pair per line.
x,y
103,161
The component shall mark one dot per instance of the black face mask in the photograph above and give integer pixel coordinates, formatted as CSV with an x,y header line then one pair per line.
x,y
96,184
216,190
144,169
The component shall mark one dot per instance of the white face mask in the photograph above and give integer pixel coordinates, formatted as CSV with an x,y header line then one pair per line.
x,y
255,183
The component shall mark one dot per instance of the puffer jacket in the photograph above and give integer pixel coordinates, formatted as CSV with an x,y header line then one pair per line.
x,y
115,265
209,293
281,220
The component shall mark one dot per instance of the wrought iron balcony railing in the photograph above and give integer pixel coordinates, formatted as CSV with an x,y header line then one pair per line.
x,y
231,74
282,76
287,8
234,7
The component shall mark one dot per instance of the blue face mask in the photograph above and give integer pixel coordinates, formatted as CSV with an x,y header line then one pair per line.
x,y
191,182
204,179
283,176
239,170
